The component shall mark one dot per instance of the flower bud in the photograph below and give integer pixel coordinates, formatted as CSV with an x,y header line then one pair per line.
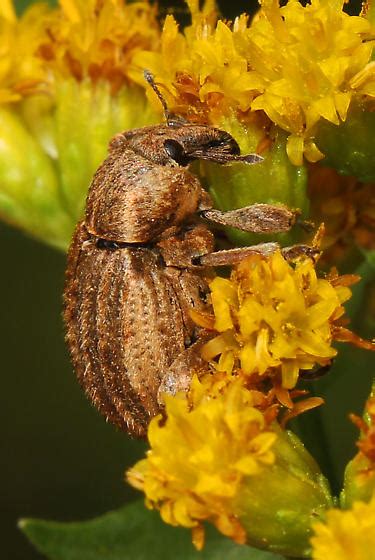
x,y
349,147
359,480
29,185
277,507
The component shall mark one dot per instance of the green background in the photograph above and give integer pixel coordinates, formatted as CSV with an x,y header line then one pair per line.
x,y
59,458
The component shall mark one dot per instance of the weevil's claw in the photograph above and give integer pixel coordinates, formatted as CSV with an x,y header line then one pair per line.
x,y
296,251
252,158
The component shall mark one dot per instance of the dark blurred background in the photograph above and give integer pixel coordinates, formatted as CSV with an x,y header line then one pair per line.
x,y
59,459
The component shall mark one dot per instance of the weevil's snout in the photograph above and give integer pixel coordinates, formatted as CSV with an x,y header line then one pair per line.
x,y
224,149
211,144
206,143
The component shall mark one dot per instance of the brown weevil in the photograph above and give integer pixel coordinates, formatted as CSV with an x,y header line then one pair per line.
x,y
138,264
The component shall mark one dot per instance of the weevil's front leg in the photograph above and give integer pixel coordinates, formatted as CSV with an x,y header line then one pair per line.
x,y
234,256
257,218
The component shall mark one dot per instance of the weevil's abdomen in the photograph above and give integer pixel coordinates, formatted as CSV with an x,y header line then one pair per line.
x,y
126,323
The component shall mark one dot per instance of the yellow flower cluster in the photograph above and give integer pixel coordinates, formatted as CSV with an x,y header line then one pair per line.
x,y
317,59
297,64
81,38
211,440
346,535
274,317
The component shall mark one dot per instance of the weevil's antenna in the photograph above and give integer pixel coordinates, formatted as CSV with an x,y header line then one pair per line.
x,y
150,79
171,118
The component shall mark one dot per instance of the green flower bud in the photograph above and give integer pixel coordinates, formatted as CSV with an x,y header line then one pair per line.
x,y
278,507
30,196
349,148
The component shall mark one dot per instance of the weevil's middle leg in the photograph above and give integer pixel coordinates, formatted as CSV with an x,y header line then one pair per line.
x,y
257,218
234,256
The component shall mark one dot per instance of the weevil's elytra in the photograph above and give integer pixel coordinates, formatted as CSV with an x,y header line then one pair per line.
x,y
139,261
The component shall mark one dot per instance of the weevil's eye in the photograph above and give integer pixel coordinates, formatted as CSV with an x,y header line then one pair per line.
x,y
175,151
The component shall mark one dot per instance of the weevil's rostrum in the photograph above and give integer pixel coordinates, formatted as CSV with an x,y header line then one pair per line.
x,y
139,262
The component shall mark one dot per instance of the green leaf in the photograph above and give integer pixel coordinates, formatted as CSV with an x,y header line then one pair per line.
x,y
130,533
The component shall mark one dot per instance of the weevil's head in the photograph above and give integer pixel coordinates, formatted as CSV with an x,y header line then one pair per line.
x,y
180,142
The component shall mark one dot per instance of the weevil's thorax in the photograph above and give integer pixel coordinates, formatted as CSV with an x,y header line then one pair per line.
x,y
141,189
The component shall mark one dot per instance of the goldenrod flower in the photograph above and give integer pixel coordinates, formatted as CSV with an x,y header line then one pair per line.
x,y
91,39
226,451
277,318
65,90
346,535
297,64
219,442
20,69
99,39
315,60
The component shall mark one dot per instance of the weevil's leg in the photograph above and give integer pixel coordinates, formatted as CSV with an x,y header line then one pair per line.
x,y
179,374
294,251
257,218
234,256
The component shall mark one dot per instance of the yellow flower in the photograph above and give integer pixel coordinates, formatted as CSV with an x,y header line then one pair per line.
x,y
298,64
346,535
21,71
98,39
85,39
216,457
314,60
215,445
274,317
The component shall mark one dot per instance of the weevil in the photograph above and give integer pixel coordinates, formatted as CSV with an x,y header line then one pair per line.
x,y
139,261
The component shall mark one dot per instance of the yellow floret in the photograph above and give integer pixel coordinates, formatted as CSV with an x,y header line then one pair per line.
x,y
346,535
